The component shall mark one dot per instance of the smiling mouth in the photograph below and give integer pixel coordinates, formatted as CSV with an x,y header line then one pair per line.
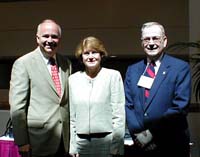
x,y
91,62
152,47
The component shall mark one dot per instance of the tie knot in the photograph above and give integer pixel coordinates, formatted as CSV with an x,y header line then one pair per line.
x,y
52,61
150,70
152,63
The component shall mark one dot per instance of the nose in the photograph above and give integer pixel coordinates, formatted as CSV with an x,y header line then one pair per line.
x,y
151,41
49,39
90,55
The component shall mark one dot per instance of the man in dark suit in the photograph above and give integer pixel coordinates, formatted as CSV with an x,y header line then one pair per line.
x,y
39,102
157,99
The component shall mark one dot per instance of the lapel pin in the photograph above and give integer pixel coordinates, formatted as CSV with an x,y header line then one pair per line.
x,y
164,72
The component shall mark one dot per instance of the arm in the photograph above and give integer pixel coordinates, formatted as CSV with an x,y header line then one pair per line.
x,y
141,138
178,104
130,94
19,101
182,94
73,149
118,114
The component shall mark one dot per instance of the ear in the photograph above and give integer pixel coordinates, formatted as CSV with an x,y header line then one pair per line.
x,y
165,41
37,38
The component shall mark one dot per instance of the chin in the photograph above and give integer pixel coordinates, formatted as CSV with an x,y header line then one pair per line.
x,y
50,52
154,56
152,53
92,66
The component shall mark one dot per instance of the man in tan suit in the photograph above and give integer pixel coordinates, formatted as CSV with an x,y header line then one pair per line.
x,y
39,106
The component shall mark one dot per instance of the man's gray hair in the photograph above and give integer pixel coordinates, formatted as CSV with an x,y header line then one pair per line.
x,y
149,24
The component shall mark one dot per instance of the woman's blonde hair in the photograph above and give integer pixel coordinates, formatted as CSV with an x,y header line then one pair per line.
x,y
90,43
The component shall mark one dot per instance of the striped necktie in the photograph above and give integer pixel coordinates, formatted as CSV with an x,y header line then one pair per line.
x,y
150,72
55,75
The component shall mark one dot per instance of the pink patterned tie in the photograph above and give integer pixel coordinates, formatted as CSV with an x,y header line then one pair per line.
x,y
55,75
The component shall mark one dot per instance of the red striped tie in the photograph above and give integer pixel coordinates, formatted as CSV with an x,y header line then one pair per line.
x,y
55,75
150,72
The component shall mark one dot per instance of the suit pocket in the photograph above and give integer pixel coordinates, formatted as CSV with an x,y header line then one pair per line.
x,y
36,123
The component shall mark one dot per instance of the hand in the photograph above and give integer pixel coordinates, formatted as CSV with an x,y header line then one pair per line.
x,y
25,148
128,142
143,138
74,155
150,146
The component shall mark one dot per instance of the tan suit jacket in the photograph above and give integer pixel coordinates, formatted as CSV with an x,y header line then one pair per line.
x,y
40,117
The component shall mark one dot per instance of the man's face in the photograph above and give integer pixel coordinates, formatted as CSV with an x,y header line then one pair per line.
x,y
153,41
48,38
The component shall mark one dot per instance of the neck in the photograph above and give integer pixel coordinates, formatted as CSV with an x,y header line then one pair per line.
x,y
93,72
155,58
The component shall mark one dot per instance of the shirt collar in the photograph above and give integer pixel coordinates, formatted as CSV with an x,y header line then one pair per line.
x,y
46,58
157,62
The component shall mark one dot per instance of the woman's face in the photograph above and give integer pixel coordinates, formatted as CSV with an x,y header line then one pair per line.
x,y
91,59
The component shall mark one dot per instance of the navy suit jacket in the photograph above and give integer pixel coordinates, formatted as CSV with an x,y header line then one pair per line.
x,y
164,114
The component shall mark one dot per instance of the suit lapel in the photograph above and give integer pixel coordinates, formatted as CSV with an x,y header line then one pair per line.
x,y
42,67
63,78
161,75
141,70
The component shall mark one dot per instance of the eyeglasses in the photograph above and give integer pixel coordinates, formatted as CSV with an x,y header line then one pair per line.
x,y
155,39
87,53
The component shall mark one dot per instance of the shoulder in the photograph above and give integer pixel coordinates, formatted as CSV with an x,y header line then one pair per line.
x,y
135,67
75,76
137,64
110,75
110,71
26,58
175,62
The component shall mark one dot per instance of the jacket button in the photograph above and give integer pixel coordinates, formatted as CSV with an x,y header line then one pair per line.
x,y
145,114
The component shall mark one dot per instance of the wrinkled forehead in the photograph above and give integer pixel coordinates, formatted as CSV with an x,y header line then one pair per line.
x,y
152,31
